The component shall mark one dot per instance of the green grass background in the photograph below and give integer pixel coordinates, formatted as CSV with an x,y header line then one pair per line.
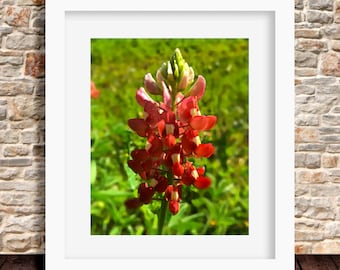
x,y
118,67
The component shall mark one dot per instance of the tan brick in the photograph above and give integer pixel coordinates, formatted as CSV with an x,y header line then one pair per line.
x,y
330,64
306,134
329,161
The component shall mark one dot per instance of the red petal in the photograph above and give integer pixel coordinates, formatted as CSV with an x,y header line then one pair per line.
x,y
204,150
173,207
177,169
201,122
133,203
139,126
202,182
142,97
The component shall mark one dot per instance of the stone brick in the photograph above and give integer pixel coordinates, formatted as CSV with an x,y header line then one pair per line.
x,y
326,247
320,190
306,72
16,88
23,124
313,160
312,45
8,174
301,190
321,4
326,101
17,16
22,224
301,206
23,42
333,148
306,134
328,90
29,137
309,176
34,174
300,159
321,81
311,147
308,235
304,90
17,242
15,162
330,64
306,59
331,119
9,136
335,45
303,99
319,17
334,175
21,185
307,33
330,138
15,198
329,161
23,107
307,120
15,150
332,31
35,65
10,71
298,4
11,57
329,130
298,16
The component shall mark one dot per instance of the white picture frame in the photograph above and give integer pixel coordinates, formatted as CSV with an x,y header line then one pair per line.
x,y
69,26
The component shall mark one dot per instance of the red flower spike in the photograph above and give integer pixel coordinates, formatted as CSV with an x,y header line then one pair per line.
x,y
202,182
201,122
139,126
204,150
198,88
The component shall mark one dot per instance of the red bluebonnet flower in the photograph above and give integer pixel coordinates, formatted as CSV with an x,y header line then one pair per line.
x,y
172,130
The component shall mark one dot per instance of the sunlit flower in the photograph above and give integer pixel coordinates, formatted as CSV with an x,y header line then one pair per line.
x,y
172,129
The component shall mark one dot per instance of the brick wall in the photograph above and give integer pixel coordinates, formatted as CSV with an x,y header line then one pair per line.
x,y
22,71
317,126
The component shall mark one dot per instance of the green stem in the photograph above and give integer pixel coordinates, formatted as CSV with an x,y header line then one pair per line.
x,y
161,217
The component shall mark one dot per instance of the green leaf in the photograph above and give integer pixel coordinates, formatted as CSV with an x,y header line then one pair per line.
x,y
93,171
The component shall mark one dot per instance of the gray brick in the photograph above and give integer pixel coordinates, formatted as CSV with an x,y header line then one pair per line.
x,y
321,4
313,160
319,17
304,90
9,136
306,59
15,162
307,120
331,119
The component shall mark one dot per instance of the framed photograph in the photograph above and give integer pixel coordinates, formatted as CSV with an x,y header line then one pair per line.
x,y
169,135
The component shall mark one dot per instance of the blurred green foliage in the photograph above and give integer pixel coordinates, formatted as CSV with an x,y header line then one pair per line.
x,y
118,67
